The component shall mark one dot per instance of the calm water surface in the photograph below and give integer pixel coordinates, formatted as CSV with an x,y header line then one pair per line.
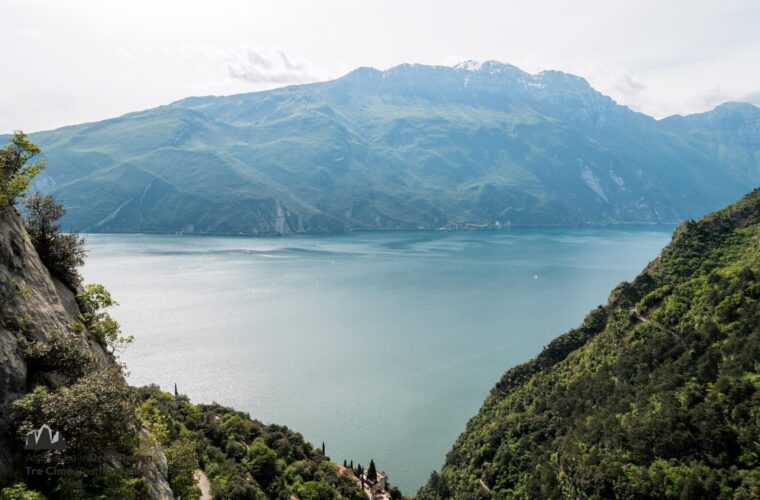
x,y
382,345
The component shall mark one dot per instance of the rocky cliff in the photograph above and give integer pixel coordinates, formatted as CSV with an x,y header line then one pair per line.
x,y
36,307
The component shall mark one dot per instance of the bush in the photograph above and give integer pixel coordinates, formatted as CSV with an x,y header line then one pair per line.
x,y
20,492
95,415
61,353
93,302
62,253
16,171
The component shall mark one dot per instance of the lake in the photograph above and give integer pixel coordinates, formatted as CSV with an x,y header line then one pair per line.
x,y
380,344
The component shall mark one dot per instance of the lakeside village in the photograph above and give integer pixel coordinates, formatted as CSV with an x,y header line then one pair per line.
x,y
374,484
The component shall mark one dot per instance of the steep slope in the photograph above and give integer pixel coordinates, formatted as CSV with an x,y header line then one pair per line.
x,y
656,395
121,442
413,146
40,326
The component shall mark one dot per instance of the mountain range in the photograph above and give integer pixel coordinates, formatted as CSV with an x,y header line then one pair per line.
x,y
411,147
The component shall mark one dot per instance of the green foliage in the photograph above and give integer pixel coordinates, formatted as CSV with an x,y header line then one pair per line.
x,y
16,168
62,253
93,302
20,491
261,462
243,458
655,396
97,414
183,462
97,418
60,352
312,490
10,291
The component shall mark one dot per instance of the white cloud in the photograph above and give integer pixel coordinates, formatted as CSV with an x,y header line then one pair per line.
x,y
618,83
87,60
271,65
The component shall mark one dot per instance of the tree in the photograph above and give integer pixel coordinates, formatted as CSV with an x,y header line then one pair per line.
x,y
93,302
95,415
323,447
16,171
62,253
372,472
182,461
262,463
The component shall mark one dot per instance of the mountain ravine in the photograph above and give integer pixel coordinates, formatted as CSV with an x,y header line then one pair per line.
x,y
475,145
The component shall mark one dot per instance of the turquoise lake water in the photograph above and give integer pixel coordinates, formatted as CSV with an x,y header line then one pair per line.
x,y
382,345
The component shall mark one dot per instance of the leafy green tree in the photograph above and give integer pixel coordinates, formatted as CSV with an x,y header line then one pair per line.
x,y
16,168
262,463
313,490
62,253
238,488
95,415
183,462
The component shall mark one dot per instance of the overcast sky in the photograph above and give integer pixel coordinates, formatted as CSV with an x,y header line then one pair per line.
x,y
74,61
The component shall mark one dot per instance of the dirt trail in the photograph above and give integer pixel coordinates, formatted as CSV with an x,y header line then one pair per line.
x,y
201,480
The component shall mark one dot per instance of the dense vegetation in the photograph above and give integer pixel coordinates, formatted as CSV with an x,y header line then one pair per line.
x,y
656,395
243,458
413,146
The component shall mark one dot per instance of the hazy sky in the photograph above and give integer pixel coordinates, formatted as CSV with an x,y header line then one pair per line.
x,y
74,61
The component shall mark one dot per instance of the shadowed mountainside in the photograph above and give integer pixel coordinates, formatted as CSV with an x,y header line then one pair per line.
x,y
415,146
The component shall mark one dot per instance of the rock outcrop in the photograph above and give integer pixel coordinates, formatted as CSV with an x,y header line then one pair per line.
x,y
35,306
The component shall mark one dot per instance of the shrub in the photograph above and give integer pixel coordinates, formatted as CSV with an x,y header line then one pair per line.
x,y
62,253
93,302
60,352
20,492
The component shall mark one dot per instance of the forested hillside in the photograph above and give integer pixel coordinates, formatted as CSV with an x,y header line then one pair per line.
x,y
655,395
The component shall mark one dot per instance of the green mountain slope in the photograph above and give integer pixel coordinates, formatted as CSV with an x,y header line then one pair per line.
x,y
411,147
655,395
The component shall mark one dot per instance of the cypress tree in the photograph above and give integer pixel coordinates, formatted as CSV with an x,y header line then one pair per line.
x,y
372,472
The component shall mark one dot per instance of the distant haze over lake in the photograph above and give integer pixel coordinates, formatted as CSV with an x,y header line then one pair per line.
x,y
382,345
